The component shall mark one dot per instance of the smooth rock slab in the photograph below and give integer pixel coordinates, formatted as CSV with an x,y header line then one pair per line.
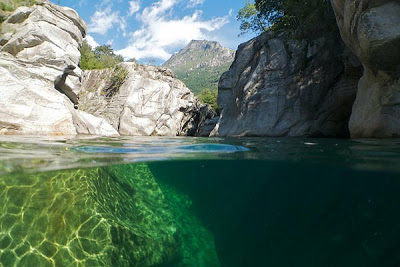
x,y
278,86
39,73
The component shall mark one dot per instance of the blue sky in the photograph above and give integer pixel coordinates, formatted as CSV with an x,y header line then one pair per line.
x,y
155,29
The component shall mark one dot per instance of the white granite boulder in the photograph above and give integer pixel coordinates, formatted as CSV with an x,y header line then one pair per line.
x,y
149,101
39,73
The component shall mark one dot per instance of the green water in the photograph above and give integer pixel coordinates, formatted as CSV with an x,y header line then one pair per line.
x,y
199,202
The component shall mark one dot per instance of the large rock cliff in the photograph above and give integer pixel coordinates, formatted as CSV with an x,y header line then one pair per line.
x,y
39,73
147,101
371,29
278,86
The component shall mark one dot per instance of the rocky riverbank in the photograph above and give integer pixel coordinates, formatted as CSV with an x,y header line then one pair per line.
x,y
345,83
371,29
145,101
40,74
278,86
41,84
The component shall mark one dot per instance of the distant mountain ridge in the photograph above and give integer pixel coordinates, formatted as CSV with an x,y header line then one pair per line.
x,y
200,64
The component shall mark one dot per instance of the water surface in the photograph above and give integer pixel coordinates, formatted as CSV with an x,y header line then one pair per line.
x,y
199,202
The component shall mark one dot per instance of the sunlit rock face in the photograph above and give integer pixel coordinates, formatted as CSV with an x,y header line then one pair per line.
x,y
279,86
371,29
39,73
149,101
111,216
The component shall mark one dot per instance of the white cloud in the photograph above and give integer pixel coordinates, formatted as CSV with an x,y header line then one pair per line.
x,y
90,40
134,7
158,9
123,25
103,20
82,3
161,32
193,3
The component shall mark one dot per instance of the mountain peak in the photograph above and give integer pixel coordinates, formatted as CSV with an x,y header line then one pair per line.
x,y
204,44
200,63
200,54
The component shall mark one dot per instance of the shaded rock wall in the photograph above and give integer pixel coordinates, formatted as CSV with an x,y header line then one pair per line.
x,y
278,86
150,101
39,73
371,29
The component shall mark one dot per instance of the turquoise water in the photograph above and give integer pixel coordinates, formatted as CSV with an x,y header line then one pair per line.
x,y
199,202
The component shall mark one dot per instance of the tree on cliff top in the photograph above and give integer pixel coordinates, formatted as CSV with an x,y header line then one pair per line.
x,y
99,58
208,96
303,16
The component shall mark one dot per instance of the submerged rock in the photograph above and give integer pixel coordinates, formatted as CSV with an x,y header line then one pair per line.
x,y
278,86
39,73
147,101
371,29
111,216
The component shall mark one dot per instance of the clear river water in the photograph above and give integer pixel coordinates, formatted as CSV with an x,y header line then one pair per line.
x,y
85,201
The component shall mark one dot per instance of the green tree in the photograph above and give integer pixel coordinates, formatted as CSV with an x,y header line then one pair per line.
x,y
208,96
100,58
304,16
88,58
102,50
251,19
117,79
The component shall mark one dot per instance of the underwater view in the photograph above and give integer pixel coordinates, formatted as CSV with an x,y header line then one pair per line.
x,y
88,201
